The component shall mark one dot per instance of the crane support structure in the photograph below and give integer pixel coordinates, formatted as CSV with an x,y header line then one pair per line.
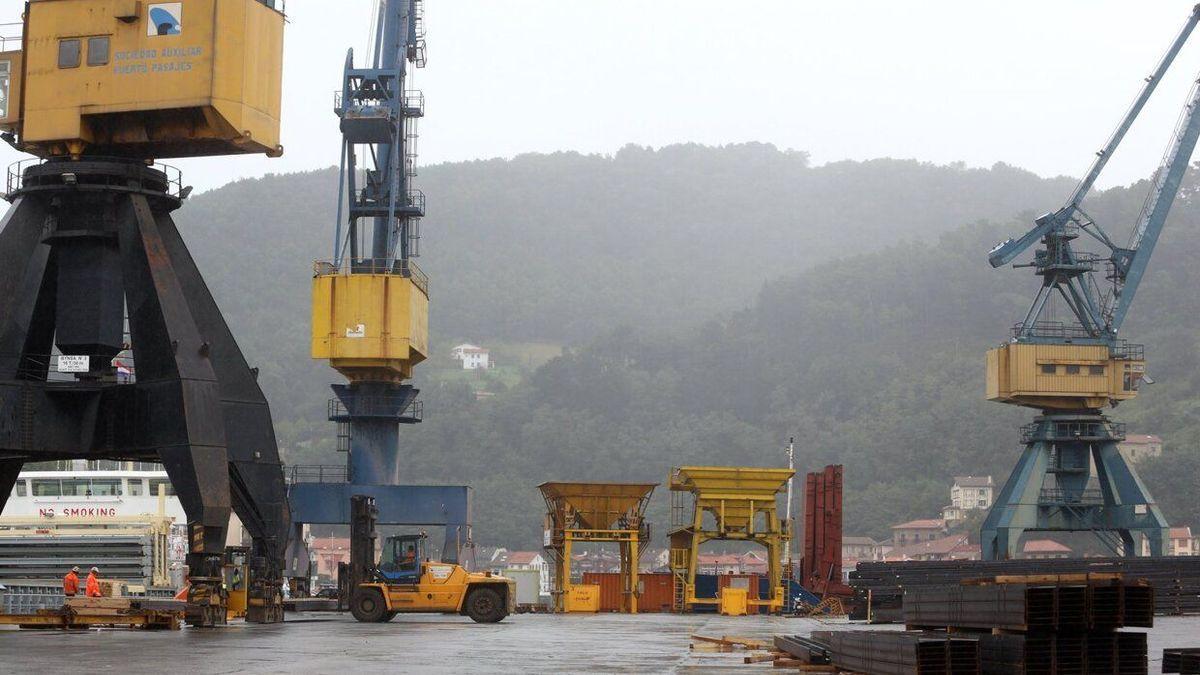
x,y
1071,476
370,312
596,513
740,505
92,265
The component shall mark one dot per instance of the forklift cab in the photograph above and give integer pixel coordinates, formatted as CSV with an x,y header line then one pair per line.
x,y
400,561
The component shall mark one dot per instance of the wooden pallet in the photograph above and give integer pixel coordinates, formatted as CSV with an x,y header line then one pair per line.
x,y
1047,579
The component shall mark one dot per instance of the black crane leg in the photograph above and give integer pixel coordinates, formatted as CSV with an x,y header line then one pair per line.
x,y
181,390
9,470
257,487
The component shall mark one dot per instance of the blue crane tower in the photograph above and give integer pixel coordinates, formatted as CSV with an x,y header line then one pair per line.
x,y
371,301
1072,475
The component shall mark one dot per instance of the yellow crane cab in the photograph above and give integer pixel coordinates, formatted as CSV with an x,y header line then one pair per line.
x,y
405,581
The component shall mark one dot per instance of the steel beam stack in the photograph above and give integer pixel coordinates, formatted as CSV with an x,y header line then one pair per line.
x,y
910,653
1185,660
1043,627
1176,580
1024,607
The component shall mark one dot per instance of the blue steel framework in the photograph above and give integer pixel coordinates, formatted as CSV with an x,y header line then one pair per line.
x,y
378,123
1069,445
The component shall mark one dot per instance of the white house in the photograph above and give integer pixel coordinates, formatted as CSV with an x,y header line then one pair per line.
x,y
972,492
473,357
529,560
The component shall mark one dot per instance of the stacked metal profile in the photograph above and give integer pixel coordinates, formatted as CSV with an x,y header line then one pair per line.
x,y
894,653
1066,626
37,557
1176,580
1185,660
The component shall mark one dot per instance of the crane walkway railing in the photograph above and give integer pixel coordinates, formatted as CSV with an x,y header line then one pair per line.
x,y
403,268
319,473
11,36
171,181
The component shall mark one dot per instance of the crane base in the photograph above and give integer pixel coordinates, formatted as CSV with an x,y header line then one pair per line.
x,y
88,248
1072,477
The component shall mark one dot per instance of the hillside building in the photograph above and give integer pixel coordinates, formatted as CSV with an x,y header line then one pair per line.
x,y
472,357
972,492
1137,447
917,531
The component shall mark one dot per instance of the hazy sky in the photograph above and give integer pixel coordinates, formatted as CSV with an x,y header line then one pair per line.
x,y
1032,83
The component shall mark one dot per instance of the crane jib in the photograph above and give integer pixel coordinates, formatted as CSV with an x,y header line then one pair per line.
x,y
1068,273
1007,251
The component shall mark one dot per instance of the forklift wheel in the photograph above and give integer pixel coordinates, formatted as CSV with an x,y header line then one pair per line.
x,y
367,606
388,617
485,605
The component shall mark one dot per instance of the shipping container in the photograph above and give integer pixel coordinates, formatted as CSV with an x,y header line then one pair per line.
x,y
657,591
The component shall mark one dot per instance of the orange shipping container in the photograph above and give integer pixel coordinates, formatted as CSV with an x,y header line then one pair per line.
x,y
657,591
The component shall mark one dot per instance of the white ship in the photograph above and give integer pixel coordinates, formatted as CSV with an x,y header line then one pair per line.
x,y
99,494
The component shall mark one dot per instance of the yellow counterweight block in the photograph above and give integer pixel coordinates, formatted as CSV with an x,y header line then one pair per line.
x,y
1062,376
149,79
370,326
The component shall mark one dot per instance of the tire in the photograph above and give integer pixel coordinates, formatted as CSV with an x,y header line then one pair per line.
x,y
389,616
367,605
486,605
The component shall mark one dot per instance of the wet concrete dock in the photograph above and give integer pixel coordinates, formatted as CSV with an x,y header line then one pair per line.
x,y
531,643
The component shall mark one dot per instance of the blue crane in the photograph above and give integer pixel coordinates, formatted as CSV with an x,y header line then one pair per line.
x,y
379,122
1072,476
370,302
1100,309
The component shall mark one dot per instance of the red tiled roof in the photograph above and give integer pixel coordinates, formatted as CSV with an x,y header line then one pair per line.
x,y
1142,439
1181,533
522,557
941,546
928,524
1045,546
718,559
329,543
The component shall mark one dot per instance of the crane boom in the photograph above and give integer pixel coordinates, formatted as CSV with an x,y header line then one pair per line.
x,y
1007,251
1130,263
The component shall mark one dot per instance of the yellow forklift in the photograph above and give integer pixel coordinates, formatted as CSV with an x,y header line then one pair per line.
x,y
404,580
234,573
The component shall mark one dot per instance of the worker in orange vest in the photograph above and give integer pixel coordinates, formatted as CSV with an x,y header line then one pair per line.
x,y
71,582
93,583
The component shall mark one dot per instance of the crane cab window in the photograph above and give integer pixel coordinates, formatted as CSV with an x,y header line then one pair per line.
x,y
68,53
97,51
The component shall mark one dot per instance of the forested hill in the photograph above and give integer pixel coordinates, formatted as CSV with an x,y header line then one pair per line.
x,y
714,302
874,361
559,247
